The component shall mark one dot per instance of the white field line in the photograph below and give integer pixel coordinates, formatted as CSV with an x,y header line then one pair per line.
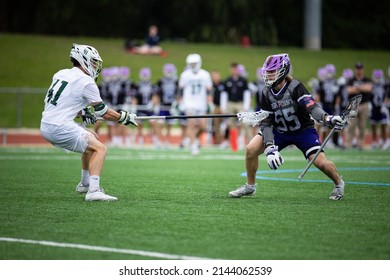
x,y
102,249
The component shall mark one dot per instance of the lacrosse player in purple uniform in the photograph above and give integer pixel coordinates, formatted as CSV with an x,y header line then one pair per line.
x,y
292,110
379,112
167,93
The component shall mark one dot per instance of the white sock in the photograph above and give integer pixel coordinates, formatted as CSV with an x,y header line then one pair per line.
x,y
94,183
85,177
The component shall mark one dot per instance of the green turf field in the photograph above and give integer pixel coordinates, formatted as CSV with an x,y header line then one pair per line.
x,y
177,205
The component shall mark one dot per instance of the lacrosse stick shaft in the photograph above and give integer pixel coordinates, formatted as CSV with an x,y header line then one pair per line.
x,y
185,117
349,113
317,153
249,118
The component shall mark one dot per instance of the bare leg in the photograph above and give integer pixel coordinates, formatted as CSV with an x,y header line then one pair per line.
x,y
252,152
94,157
327,167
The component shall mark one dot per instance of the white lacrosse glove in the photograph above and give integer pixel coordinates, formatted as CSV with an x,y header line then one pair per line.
x,y
88,116
127,118
174,110
274,158
334,121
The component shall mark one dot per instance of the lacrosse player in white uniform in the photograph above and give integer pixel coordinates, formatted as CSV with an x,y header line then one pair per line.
x,y
71,91
196,85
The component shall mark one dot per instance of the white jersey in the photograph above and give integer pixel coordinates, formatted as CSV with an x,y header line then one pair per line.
x,y
195,87
70,92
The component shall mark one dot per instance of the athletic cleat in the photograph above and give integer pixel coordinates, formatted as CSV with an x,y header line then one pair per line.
x,y
195,150
80,188
338,192
243,190
99,196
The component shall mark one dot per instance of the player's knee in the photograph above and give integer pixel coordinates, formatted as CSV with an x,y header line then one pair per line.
x,y
101,149
322,163
251,151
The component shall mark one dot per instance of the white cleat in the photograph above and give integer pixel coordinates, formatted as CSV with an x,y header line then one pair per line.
x,y
243,190
80,188
99,196
195,150
338,192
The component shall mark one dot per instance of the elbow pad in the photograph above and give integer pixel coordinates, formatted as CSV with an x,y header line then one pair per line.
x,y
318,113
100,109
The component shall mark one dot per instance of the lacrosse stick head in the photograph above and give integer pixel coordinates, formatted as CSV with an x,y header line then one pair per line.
x,y
252,118
351,110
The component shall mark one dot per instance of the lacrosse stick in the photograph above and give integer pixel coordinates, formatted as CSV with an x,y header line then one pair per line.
x,y
350,112
249,118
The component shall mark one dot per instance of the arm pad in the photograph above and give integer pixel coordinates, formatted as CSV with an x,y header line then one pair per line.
x,y
100,109
318,114
268,135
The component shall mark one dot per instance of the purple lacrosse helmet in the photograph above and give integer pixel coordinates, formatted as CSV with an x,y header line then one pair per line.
x,y
330,70
348,73
145,74
115,72
241,70
124,72
275,68
321,73
106,73
377,74
169,70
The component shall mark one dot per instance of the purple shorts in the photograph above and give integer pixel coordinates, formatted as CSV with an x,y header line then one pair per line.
x,y
307,140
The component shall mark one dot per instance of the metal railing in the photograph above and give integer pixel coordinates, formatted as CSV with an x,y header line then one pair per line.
x,y
19,92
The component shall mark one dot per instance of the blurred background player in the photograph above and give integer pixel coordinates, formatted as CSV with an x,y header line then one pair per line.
x,y
195,84
146,100
379,111
104,94
343,96
237,88
327,91
167,96
387,90
116,92
359,84
122,135
217,92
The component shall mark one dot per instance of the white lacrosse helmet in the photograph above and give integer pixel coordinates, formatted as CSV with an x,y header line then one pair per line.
x,y
89,59
194,62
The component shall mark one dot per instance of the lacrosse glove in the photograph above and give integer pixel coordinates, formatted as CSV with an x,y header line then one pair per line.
x,y
333,121
88,116
127,118
274,158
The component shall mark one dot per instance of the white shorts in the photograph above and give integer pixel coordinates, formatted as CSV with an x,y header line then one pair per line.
x,y
72,137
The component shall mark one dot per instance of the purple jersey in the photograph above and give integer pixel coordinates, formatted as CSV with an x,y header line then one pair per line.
x,y
290,118
291,107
